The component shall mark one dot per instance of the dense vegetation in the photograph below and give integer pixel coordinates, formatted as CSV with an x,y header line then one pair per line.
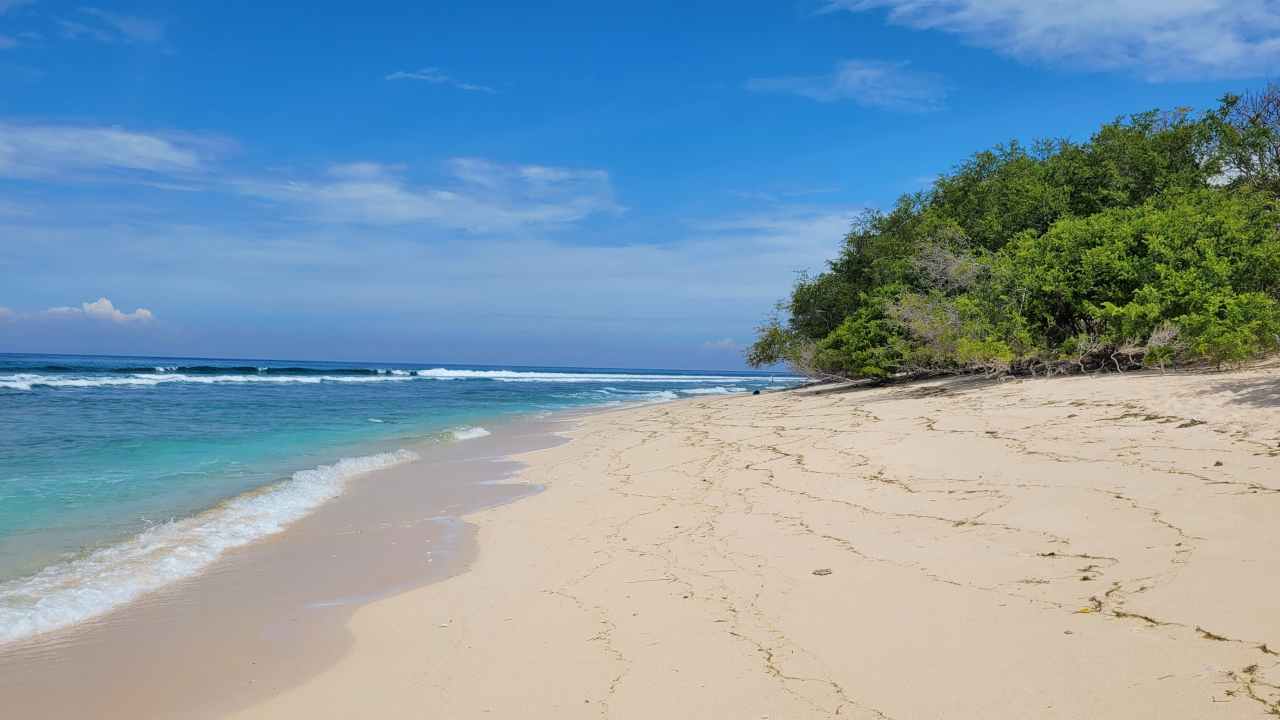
x,y
1156,242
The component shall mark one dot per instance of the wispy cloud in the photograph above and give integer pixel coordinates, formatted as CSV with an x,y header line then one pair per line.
x,y
7,5
46,151
617,303
110,27
778,196
9,41
1157,39
471,194
782,238
478,195
871,83
103,310
721,344
130,27
435,76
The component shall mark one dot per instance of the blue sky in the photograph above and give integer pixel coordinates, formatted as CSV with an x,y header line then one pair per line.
x,y
580,183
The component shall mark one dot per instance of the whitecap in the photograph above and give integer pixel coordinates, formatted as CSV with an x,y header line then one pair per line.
x,y
718,390
30,381
580,377
470,433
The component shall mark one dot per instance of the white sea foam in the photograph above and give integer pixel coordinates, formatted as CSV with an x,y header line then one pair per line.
x,y
470,433
647,396
376,420
26,381
580,377
718,390
93,584
29,381
303,379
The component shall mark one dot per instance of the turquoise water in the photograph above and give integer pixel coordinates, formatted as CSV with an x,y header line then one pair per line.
x,y
121,474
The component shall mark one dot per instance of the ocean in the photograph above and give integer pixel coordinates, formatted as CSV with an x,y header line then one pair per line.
x,y
120,475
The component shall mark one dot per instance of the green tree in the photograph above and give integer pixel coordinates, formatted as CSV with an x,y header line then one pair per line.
x,y
1155,240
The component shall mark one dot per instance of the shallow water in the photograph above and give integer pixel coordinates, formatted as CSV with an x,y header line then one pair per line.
x,y
119,475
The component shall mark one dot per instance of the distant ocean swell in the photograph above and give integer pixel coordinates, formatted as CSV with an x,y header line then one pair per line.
x,y
70,592
625,396
98,444
53,377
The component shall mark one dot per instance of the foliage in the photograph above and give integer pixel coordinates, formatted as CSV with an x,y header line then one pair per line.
x,y
863,345
1156,242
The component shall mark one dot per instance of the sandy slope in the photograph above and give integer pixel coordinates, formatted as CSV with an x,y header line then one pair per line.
x,y
1076,548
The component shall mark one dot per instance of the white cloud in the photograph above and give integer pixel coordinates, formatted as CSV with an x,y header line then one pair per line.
x,y
520,296
435,76
809,234
721,344
110,27
6,314
872,83
102,309
7,42
132,28
41,151
479,195
1158,39
75,30
362,170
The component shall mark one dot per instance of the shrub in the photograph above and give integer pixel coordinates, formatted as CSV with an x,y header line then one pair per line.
x,y
1156,241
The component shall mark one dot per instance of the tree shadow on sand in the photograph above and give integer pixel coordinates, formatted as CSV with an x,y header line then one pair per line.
x,y
1256,392
909,388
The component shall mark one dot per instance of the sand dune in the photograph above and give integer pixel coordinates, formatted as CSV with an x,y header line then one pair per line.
x,y
1089,547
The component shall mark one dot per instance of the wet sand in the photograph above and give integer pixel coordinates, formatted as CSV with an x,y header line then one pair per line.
x,y
269,615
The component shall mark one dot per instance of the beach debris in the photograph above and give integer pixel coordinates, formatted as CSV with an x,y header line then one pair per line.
x,y
1217,463
822,571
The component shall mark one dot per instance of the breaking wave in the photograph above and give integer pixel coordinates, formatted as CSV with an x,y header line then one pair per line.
x,y
718,390
93,584
470,433
208,375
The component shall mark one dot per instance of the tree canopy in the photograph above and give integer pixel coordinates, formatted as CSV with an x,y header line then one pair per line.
x,y
1156,241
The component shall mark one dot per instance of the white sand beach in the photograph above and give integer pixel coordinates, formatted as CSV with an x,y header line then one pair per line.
x,y
1088,547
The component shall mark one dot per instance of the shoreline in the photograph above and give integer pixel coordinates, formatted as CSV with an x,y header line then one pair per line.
x,y
1094,546
282,599
1068,548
